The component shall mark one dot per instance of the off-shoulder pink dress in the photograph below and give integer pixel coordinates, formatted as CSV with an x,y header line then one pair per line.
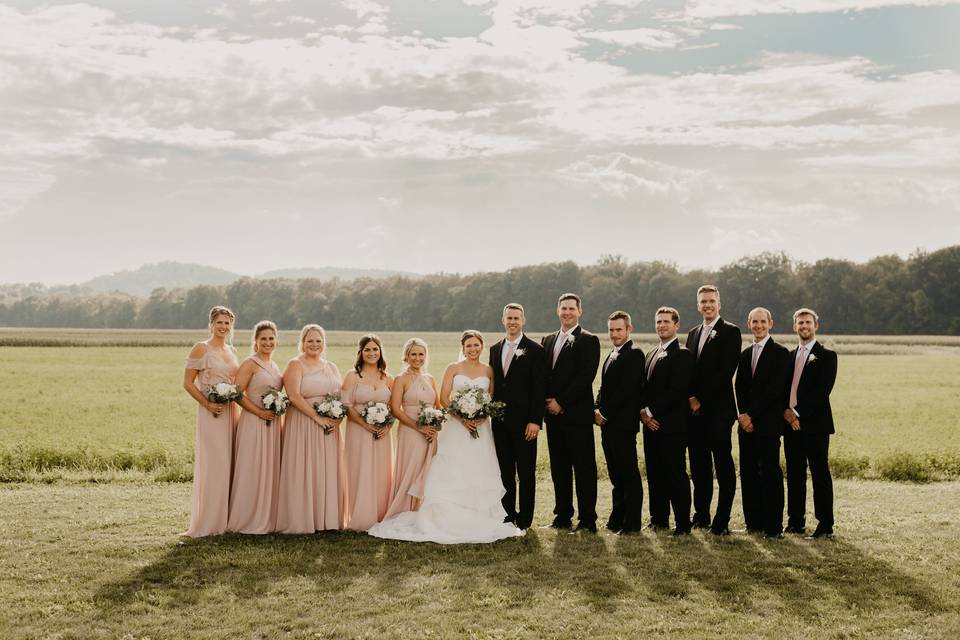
x,y
311,488
256,462
213,449
414,453
368,462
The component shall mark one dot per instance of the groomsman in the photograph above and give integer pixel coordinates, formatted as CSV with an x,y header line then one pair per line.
x,y
667,371
519,380
807,441
716,345
573,355
618,416
762,377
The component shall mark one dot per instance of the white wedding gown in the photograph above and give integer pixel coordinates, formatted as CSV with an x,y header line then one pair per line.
x,y
462,492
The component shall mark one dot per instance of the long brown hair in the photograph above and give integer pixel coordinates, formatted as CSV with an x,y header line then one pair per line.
x,y
381,363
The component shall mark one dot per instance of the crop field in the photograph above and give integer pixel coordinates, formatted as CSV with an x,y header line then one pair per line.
x,y
97,405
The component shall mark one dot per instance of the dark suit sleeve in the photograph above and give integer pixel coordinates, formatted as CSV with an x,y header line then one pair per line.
x,y
538,388
675,395
588,359
773,398
742,385
816,399
626,394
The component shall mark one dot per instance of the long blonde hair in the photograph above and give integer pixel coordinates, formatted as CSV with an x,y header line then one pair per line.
x,y
220,310
260,327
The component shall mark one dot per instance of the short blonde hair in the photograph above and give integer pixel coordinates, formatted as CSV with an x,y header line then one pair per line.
x,y
307,328
708,288
805,311
408,347
764,310
673,312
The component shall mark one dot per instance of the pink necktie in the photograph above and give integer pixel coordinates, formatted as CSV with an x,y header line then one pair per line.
x,y
797,370
756,356
506,365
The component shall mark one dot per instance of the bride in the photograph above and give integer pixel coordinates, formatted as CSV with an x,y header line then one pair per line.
x,y
462,492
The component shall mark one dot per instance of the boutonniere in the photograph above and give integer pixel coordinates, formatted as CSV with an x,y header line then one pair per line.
x,y
713,334
570,340
614,355
518,353
812,358
661,355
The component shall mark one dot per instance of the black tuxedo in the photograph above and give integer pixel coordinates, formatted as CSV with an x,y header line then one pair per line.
x,y
522,389
618,402
665,393
811,445
761,395
709,435
570,434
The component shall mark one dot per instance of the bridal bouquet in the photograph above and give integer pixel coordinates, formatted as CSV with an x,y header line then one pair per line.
x,y
330,406
377,415
472,403
430,416
223,393
276,401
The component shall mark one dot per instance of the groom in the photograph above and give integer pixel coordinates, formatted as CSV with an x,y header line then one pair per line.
x,y
573,356
519,380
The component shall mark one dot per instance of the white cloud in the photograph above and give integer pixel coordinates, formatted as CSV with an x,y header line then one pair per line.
x,y
727,8
645,38
621,175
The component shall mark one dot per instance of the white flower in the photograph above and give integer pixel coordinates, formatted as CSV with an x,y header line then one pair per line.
x,y
811,358
661,355
224,388
570,339
519,352
713,334
614,355
325,407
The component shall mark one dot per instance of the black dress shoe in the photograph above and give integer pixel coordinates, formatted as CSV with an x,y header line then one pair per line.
x,y
523,525
699,523
773,536
794,529
585,526
821,533
614,526
720,532
509,519
754,530
658,526
680,532
558,524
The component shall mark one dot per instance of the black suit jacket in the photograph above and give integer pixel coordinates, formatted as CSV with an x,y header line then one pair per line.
x,y
761,393
524,387
813,391
618,399
666,393
712,382
570,382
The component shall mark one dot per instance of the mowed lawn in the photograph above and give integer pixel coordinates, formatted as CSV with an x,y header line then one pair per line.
x,y
124,405
103,562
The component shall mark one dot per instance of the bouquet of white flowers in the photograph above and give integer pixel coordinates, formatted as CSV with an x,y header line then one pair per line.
x,y
276,401
330,406
223,393
473,403
377,415
430,416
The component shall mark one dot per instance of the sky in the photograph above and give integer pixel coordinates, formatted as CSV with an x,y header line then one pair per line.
x,y
473,135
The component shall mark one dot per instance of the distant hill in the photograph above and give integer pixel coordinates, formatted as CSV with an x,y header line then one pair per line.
x,y
329,273
180,275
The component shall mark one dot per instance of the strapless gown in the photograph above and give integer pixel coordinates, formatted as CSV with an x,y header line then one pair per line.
x,y
462,491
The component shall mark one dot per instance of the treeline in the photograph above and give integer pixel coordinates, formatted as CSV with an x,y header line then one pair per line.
x,y
887,295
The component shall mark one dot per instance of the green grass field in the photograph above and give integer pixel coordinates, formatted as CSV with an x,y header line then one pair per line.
x,y
108,412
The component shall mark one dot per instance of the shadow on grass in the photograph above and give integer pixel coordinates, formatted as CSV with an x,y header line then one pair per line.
x,y
739,574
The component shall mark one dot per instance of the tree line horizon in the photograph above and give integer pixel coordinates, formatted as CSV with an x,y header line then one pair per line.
x,y
885,295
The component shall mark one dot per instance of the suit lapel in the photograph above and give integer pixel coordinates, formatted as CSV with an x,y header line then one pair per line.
x,y
496,351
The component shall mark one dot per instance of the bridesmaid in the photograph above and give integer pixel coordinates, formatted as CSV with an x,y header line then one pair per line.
x,y
311,491
368,461
211,362
416,445
256,465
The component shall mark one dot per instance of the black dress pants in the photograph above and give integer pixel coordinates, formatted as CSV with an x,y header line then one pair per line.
x,y
711,446
802,449
620,451
518,459
761,480
665,456
573,453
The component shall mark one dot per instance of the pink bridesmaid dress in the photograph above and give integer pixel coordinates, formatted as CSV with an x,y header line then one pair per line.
x,y
368,462
414,453
256,464
213,449
311,487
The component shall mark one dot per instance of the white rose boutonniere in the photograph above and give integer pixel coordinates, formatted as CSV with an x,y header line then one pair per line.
x,y
614,355
519,352
661,355
570,340
812,358
713,334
